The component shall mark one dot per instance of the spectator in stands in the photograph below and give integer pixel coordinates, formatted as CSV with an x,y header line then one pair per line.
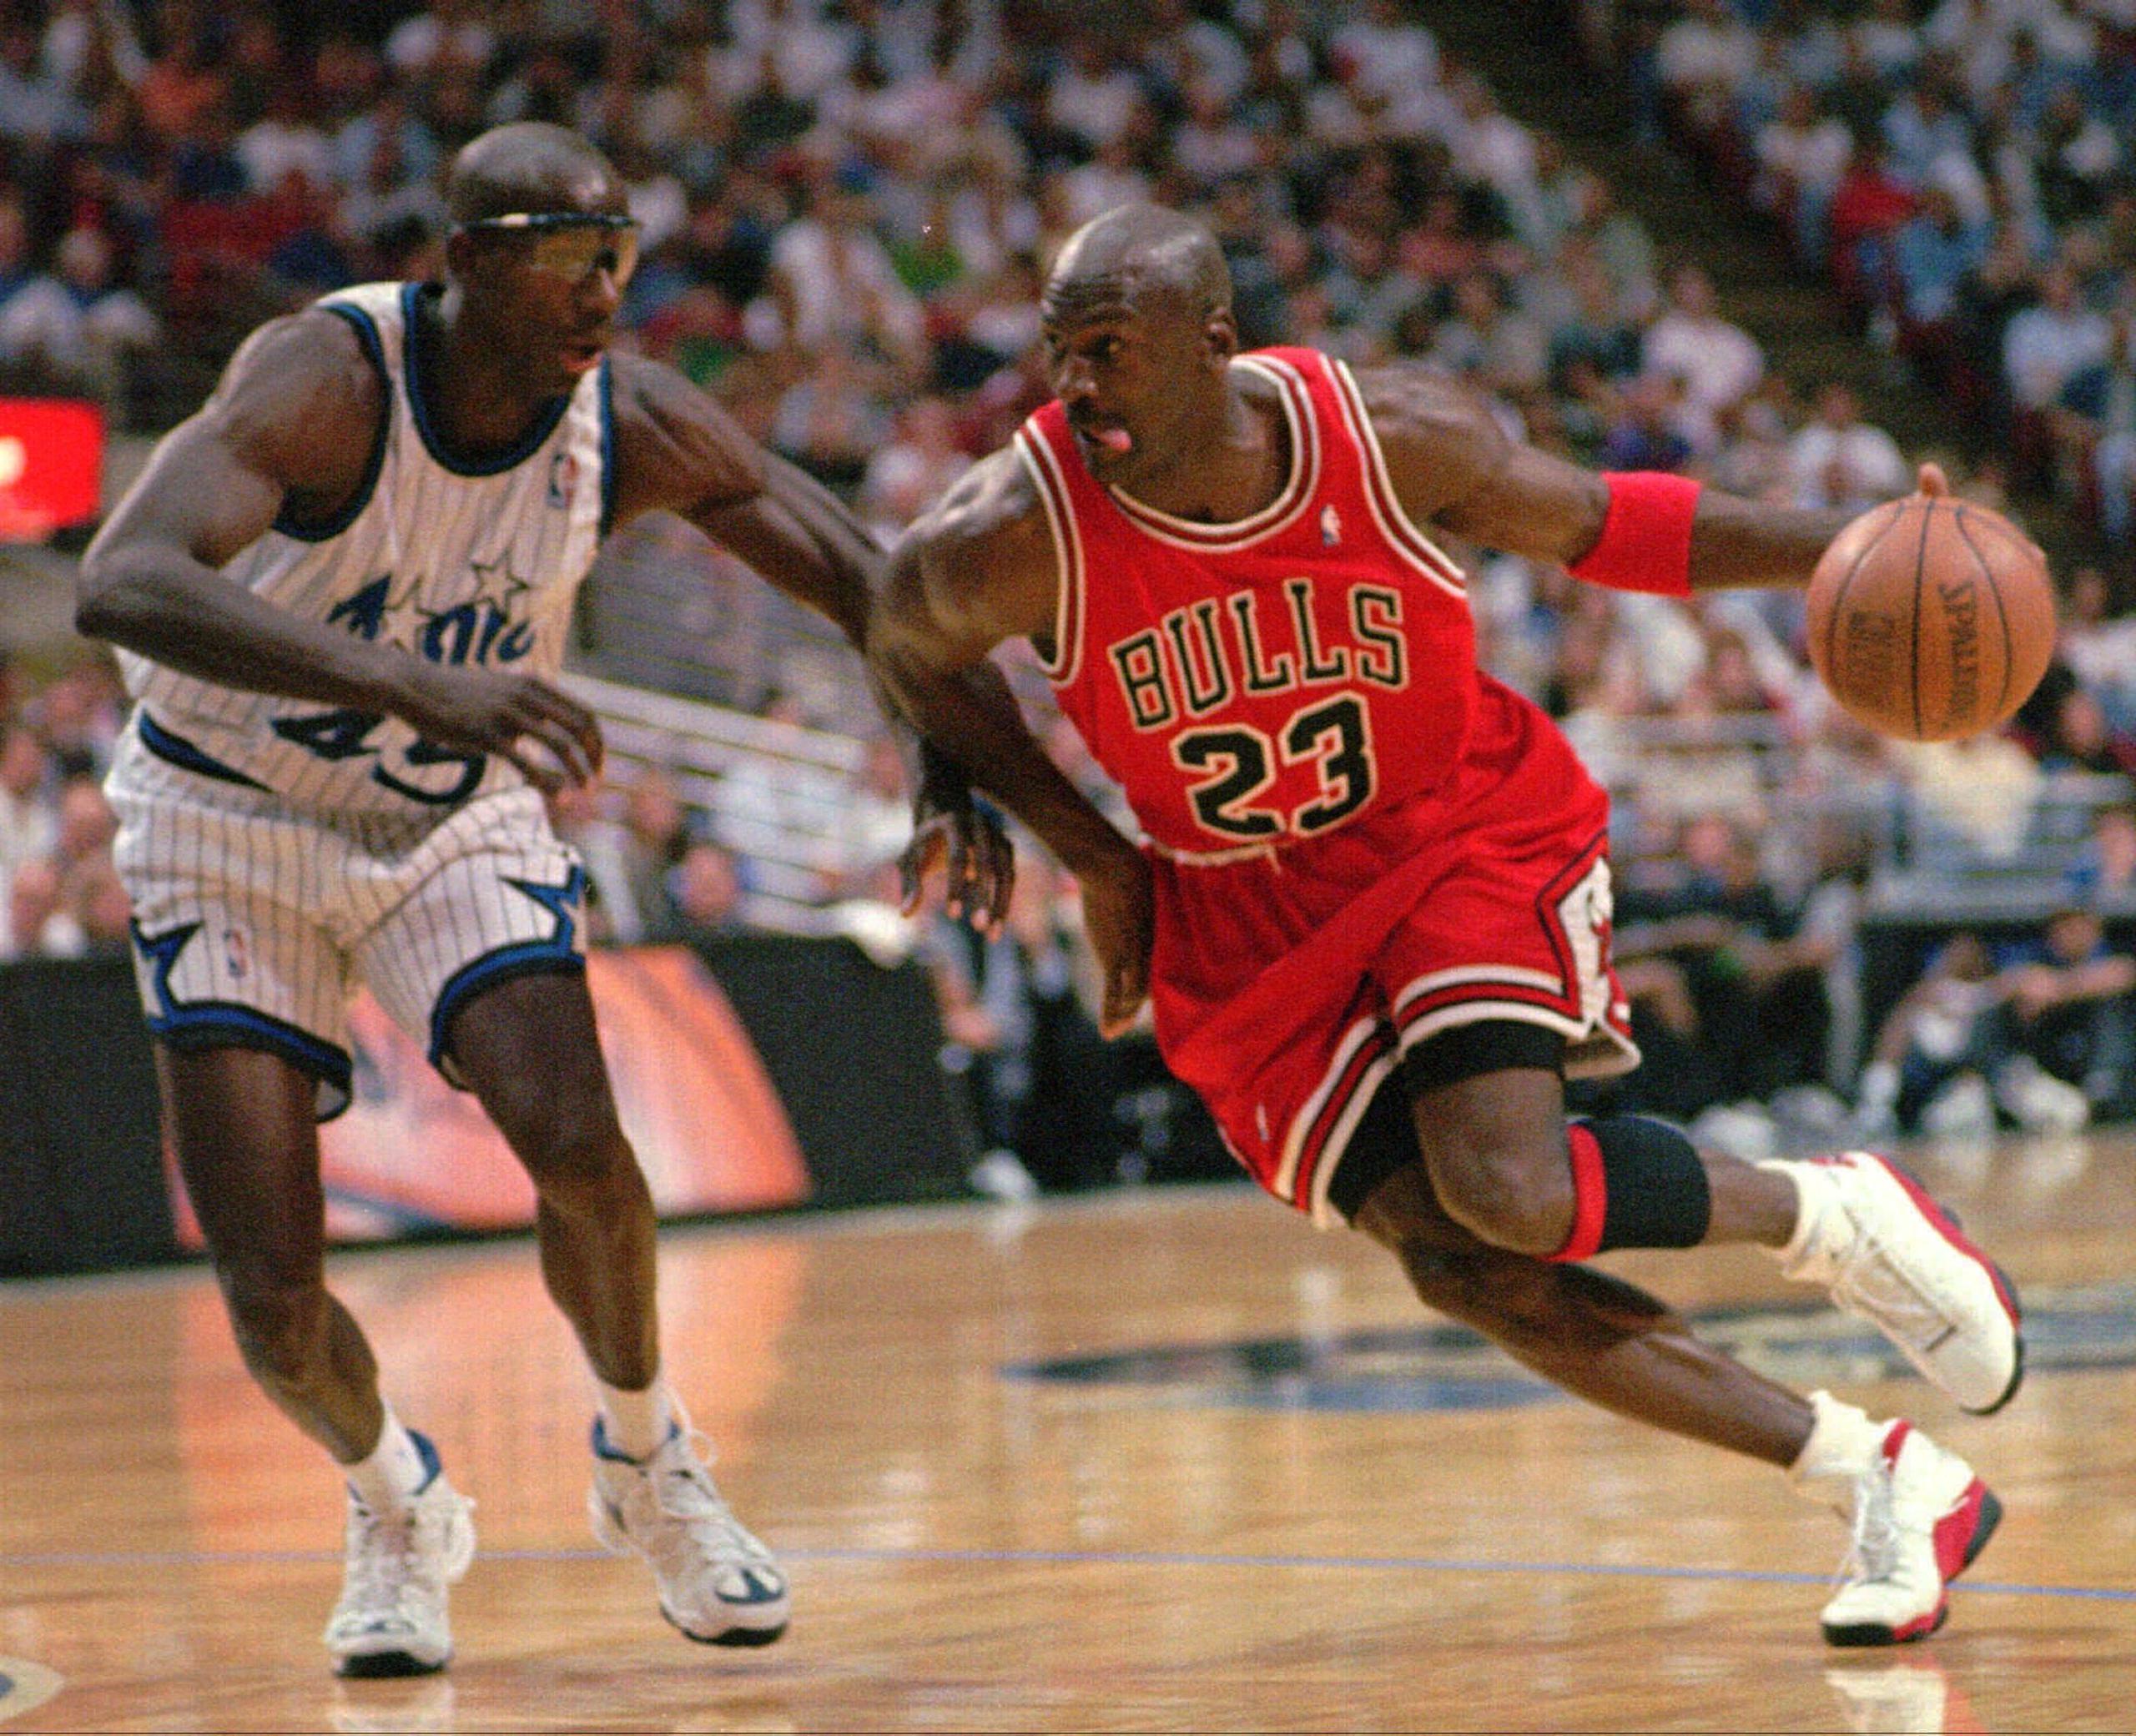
x,y
2067,1002
704,898
29,826
2099,647
39,925
1801,153
875,814
37,108
1934,253
2047,344
1702,58
1936,1049
96,905
84,330
1039,1076
915,468
832,419
2078,738
1717,363
2104,876
2098,405
1843,463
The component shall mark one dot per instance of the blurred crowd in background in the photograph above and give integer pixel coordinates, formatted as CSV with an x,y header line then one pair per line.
x,y
848,208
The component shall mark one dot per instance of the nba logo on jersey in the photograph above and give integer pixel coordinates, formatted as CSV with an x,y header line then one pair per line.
x,y
1331,528
236,954
564,480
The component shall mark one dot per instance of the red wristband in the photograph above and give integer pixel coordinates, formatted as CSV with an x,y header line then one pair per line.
x,y
1645,543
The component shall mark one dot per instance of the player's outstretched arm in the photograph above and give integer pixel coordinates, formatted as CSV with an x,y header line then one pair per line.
x,y
677,448
1453,464
975,569
292,423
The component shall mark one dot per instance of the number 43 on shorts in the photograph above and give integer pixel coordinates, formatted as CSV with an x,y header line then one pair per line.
x,y
1242,762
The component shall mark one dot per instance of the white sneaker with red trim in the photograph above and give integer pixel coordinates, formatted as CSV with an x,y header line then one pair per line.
x,y
1889,1254
1921,1516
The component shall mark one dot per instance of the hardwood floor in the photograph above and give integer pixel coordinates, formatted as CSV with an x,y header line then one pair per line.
x,y
1169,1462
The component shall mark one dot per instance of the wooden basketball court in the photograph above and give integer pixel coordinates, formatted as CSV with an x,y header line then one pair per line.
x,y
1166,1462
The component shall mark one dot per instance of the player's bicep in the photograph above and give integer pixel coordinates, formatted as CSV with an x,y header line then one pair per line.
x,y
1455,465
677,448
206,495
1532,504
926,616
296,411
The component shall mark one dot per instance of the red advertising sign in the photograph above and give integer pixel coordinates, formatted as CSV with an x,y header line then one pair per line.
x,y
412,1153
51,465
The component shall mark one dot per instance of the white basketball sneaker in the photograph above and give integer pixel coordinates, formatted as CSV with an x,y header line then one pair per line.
x,y
717,1584
1920,1517
1889,1254
391,1618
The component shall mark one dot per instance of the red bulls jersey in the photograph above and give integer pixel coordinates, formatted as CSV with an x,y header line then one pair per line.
x,y
1265,681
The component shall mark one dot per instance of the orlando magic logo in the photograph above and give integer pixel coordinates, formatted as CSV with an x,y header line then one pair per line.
x,y
475,615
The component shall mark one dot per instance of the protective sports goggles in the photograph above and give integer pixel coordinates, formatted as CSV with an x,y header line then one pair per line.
x,y
569,244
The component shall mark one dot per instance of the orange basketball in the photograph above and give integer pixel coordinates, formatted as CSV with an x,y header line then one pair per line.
x,y
1931,618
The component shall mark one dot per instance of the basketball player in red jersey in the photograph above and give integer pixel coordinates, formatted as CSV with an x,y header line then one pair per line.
x,y
1371,904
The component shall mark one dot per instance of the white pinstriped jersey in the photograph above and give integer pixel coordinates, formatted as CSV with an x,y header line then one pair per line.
x,y
459,563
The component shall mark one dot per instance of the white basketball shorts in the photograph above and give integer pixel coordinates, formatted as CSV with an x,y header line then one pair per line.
x,y
253,921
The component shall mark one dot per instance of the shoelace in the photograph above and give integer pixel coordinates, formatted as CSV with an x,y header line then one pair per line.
x,y
382,1556
684,1493
1874,1552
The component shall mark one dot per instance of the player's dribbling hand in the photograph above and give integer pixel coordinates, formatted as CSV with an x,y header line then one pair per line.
x,y
953,830
552,737
1120,917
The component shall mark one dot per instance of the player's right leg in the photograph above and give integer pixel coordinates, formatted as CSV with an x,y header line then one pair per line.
x,y
1918,1513
243,988
242,1122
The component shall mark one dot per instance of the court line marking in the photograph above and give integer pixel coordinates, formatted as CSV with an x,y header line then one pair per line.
x,y
1105,1558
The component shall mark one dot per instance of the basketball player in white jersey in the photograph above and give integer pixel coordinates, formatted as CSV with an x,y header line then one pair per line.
x,y
341,592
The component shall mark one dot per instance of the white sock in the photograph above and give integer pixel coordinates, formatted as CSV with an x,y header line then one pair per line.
x,y
636,1423
1809,1204
393,1473
1844,1441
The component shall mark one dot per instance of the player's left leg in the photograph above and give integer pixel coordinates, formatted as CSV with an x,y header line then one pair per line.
x,y
527,1048
1490,1122
480,959
1919,1514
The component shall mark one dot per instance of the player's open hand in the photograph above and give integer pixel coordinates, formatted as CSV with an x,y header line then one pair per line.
x,y
1120,917
954,831
539,728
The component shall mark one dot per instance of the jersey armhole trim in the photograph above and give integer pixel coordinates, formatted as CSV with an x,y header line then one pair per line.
x,y
1039,458
607,397
287,523
1402,535
433,438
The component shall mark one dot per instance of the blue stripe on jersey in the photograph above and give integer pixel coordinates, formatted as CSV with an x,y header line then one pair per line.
x,y
528,445
366,334
220,1023
607,447
522,959
175,749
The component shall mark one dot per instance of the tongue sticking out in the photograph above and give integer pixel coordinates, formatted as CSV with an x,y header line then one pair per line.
x,y
1119,440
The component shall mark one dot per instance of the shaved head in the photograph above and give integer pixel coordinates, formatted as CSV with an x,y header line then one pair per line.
x,y
1134,249
529,166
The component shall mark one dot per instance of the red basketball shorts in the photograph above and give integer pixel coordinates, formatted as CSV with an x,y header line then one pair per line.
x,y
1287,985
